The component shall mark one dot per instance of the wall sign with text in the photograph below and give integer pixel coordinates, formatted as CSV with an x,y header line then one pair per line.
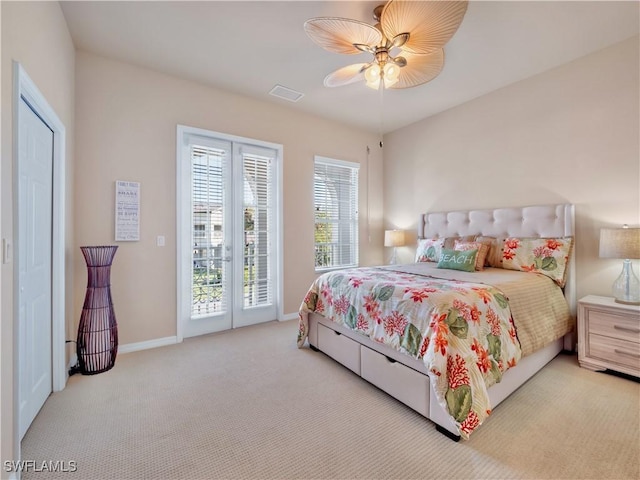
x,y
127,211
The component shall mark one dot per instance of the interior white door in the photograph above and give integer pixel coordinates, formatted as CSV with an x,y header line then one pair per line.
x,y
230,279
35,189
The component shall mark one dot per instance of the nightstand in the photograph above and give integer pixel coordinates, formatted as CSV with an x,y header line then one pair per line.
x,y
608,335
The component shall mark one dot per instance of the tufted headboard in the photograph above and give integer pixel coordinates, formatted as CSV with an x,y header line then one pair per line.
x,y
534,221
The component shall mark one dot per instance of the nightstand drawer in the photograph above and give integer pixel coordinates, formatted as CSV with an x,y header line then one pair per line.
x,y
612,325
614,350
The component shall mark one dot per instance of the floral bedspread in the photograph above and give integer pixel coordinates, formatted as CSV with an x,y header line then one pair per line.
x,y
462,331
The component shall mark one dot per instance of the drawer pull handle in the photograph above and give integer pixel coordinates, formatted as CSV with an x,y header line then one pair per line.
x,y
337,333
390,360
627,329
622,352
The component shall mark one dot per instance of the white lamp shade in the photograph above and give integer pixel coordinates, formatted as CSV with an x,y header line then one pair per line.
x,y
394,238
620,243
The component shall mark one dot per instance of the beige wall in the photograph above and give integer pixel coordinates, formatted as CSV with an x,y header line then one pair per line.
x,y
126,130
567,135
34,34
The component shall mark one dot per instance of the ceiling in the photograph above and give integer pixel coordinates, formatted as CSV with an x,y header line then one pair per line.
x,y
249,47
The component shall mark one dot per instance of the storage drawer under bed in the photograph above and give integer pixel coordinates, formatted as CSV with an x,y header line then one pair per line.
x,y
404,383
339,347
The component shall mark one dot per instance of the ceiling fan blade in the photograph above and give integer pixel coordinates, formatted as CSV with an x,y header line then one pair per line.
x,y
346,75
419,69
430,24
339,35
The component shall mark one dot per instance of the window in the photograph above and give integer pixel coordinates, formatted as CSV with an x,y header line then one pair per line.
x,y
335,198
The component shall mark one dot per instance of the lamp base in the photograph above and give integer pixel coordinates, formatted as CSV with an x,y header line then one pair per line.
x,y
626,289
393,260
624,302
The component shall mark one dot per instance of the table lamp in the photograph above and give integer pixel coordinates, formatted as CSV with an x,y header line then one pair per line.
x,y
623,243
394,238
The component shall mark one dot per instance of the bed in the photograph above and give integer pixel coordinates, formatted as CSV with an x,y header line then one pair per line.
x,y
489,301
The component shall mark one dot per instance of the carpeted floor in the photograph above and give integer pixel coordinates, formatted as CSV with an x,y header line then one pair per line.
x,y
248,404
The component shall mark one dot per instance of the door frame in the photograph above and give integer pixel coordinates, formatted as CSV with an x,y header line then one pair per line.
x,y
183,217
24,87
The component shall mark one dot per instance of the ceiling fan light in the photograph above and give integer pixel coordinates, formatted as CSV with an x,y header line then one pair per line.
x,y
391,73
372,74
415,29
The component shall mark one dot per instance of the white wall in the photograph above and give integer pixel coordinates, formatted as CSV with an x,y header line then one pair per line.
x,y
34,34
567,135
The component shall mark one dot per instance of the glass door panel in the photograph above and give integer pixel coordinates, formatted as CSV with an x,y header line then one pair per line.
x,y
232,235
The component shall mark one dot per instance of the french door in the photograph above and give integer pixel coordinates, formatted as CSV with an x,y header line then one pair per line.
x,y
228,232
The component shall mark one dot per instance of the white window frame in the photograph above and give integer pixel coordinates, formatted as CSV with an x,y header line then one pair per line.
x,y
353,214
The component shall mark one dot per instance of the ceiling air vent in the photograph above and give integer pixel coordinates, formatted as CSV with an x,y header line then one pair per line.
x,y
286,93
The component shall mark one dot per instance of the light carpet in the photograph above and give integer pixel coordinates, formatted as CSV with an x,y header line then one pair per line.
x,y
248,404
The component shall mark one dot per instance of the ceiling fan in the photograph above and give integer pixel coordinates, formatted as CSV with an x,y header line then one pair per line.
x,y
406,42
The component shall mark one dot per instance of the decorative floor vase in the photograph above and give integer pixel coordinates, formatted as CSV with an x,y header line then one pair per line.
x,y
97,343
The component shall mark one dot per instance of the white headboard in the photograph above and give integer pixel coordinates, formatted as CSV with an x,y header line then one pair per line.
x,y
534,221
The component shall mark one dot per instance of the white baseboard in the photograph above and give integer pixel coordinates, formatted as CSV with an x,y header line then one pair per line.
x,y
158,342
289,316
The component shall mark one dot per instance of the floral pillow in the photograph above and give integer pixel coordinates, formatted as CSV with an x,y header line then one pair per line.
x,y
548,256
429,249
482,248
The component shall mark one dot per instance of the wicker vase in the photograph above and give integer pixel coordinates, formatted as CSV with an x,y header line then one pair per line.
x,y
97,343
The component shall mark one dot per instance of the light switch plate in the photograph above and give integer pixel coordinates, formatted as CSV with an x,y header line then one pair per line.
x,y
160,241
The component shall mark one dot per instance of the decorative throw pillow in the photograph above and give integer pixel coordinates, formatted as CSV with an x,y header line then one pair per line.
x,y
429,249
548,256
496,245
458,260
450,242
482,249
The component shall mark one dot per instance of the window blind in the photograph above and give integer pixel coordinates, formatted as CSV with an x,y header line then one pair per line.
x,y
258,229
335,192
208,272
